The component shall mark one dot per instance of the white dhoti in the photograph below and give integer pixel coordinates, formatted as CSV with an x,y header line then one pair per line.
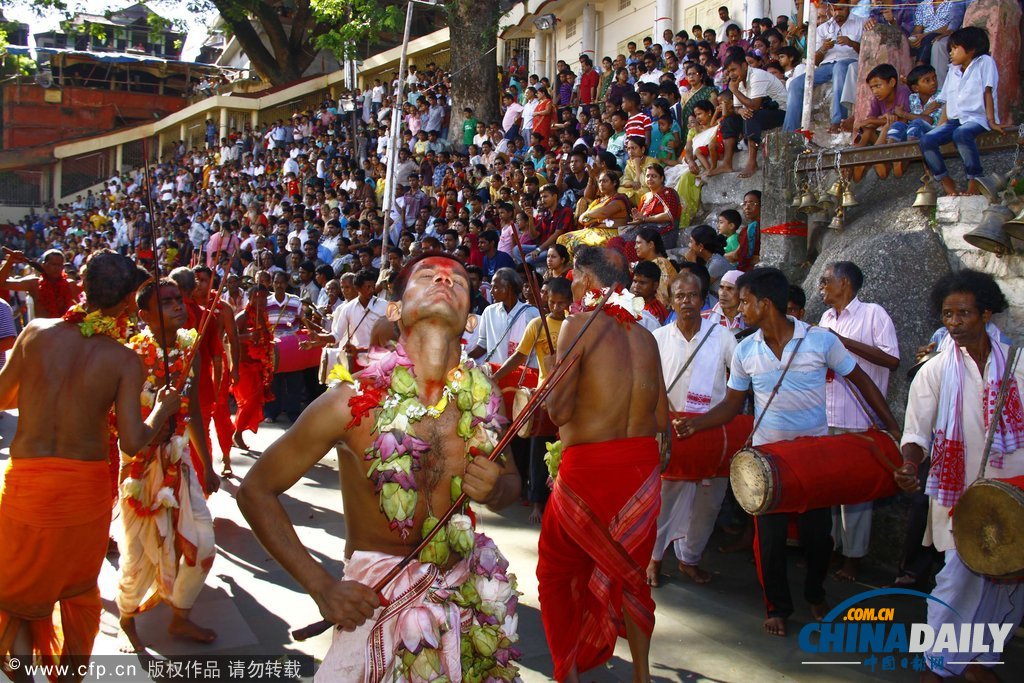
x,y
367,654
687,518
970,599
167,553
851,528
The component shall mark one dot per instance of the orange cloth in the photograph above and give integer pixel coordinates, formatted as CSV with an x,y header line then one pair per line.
x,y
596,538
54,522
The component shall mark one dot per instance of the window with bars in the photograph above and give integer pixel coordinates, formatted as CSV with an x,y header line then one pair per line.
x,y
623,4
570,28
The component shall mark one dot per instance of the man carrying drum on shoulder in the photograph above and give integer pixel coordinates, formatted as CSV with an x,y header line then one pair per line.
x,y
695,356
868,333
800,355
952,403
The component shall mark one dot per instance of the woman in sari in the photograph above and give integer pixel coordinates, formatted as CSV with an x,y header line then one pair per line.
x,y
660,210
603,218
637,161
702,87
649,247
543,116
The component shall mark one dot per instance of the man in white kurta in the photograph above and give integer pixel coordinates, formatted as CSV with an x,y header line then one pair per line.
x,y
866,330
968,597
689,508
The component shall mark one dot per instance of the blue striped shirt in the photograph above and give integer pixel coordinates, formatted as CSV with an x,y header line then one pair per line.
x,y
799,408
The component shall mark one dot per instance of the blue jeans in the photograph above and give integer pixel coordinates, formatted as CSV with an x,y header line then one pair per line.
x,y
915,130
960,134
832,71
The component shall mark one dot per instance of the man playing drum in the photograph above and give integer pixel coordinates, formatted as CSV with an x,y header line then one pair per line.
x,y
952,403
800,355
701,350
868,333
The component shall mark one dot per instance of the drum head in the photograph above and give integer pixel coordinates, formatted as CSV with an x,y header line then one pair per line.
x,y
519,400
751,481
988,528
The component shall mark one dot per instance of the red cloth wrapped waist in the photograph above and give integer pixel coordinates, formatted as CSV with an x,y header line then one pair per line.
x,y
55,492
597,536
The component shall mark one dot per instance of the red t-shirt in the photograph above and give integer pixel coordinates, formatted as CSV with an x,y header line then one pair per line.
x,y
588,86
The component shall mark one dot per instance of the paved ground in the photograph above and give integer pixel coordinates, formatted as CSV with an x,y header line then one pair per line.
x,y
703,633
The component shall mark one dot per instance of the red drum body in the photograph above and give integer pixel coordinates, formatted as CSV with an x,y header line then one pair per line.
x,y
988,528
707,454
291,358
510,383
815,472
515,397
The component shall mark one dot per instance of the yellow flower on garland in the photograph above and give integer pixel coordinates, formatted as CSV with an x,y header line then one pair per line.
x,y
338,374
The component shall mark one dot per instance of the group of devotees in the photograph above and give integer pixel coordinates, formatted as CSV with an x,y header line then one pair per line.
x,y
417,432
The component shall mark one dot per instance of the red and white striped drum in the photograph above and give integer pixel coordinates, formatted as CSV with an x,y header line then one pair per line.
x,y
707,454
988,527
815,472
291,358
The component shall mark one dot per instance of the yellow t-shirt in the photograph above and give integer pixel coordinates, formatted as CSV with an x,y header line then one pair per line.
x,y
542,350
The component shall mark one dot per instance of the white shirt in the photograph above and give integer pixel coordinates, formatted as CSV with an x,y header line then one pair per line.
x,y
964,91
918,427
797,73
720,33
497,338
354,323
760,83
511,114
852,28
528,109
651,77
675,350
871,325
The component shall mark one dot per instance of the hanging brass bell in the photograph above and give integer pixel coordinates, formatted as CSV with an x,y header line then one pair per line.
x,y
993,184
926,198
849,199
797,196
991,234
1015,226
808,203
836,189
827,202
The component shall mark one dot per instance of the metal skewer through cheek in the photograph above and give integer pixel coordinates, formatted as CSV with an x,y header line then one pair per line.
x,y
543,391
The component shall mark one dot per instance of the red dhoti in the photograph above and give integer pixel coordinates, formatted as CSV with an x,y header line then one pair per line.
x,y
54,519
221,415
596,539
249,395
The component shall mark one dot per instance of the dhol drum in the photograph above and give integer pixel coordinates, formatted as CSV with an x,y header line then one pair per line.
x,y
291,358
988,527
707,454
815,472
515,398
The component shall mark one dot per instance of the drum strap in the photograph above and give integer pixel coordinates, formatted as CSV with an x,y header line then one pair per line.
x,y
682,371
775,391
1004,390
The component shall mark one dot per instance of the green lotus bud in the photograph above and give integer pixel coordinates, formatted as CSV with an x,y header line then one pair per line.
x,y
464,400
485,640
402,381
460,535
456,488
481,386
427,665
465,428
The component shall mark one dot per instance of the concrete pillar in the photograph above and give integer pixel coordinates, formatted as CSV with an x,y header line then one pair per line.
x,y
58,175
182,133
540,53
589,33
662,19
161,138
223,123
254,118
754,9
118,157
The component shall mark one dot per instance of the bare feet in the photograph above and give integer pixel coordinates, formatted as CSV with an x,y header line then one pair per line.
x,y
899,168
226,471
654,573
239,442
949,187
834,129
775,626
134,644
694,573
848,572
182,627
820,610
536,513
973,188
743,543
720,169
750,170
905,580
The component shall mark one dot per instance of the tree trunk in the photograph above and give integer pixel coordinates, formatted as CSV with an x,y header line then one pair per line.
x,y
290,50
473,27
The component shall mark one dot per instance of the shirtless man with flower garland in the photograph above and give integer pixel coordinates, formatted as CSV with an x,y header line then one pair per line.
x,y
412,430
55,506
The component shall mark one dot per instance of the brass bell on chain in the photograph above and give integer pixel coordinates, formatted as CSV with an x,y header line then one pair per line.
x,y
849,200
993,184
827,202
1015,226
807,202
991,234
927,198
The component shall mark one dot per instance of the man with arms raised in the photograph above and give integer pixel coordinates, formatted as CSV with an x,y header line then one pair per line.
x,y
401,467
952,404
55,504
695,356
598,529
798,409
52,292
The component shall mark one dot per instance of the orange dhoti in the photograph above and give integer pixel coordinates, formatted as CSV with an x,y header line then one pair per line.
x,y
249,394
596,539
54,521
